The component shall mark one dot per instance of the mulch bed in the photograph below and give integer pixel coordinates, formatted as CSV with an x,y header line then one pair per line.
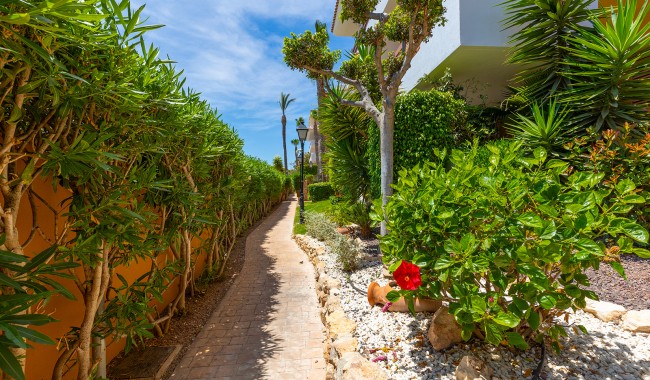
x,y
633,293
198,308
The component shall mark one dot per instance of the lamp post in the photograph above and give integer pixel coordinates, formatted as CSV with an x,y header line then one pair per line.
x,y
302,135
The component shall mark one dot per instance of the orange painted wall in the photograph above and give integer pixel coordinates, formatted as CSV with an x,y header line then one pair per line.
x,y
614,3
42,358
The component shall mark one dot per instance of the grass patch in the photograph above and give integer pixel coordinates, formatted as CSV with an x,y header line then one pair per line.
x,y
324,206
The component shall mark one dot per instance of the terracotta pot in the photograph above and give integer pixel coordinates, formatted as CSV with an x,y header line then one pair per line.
x,y
377,295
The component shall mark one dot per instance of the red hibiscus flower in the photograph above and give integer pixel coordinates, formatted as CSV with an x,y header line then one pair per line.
x,y
407,276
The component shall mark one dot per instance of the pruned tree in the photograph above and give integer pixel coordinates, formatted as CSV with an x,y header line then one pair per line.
x,y
411,23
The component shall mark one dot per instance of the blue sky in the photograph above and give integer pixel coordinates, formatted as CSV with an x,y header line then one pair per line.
x,y
231,52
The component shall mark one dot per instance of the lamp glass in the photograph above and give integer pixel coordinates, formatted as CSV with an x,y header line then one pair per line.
x,y
302,132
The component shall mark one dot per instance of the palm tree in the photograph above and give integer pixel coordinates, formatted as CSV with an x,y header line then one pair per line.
x,y
284,103
320,93
295,143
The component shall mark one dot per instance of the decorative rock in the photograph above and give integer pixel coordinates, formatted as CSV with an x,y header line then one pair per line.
x,y
333,303
444,331
353,366
339,324
637,321
471,368
345,344
605,311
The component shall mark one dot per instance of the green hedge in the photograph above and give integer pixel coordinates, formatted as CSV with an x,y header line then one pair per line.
x,y
320,191
423,121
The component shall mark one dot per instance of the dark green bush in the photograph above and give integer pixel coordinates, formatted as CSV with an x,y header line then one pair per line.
x,y
423,121
288,184
320,191
507,245
295,178
484,152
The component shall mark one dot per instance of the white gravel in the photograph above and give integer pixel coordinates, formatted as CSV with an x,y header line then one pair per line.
x,y
608,352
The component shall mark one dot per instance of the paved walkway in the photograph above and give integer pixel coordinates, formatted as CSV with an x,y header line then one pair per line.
x,y
268,325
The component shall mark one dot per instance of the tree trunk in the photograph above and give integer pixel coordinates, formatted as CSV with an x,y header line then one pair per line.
x,y
318,140
99,347
284,141
92,297
386,135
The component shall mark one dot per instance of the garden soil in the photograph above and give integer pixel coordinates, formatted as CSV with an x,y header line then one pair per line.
x,y
633,293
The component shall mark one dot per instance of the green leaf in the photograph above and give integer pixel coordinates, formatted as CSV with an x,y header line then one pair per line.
x,y
641,252
9,364
393,296
442,263
34,335
619,268
547,301
534,320
516,340
548,231
530,219
28,319
589,246
636,232
493,333
478,305
633,199
625,186
573,291
507,319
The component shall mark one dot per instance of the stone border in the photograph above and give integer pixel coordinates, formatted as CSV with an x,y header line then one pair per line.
x,y
636,321
340,346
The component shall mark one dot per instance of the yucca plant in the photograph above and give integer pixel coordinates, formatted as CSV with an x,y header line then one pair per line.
x,y
542,28
610,69
545,128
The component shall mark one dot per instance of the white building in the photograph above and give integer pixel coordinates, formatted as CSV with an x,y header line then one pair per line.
x,y
472,44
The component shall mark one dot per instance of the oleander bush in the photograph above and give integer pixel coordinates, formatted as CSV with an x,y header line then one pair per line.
x,y
148,169
320,191
507,245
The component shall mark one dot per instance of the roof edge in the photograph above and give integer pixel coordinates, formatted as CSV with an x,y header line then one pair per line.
x,y
336,10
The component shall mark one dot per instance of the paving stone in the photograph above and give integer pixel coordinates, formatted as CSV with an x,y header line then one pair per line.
x,y
268,324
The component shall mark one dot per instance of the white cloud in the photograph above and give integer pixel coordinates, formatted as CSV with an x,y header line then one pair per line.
x,y
231,53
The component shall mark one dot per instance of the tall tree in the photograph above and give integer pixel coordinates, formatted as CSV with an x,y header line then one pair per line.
x,y
411,23
284,103
295,143
320,95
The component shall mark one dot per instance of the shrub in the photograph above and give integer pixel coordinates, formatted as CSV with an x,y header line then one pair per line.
x,y
277,164
347,252
618,155
288,184
484,152
320,191
423,121
507,245
295,177
320,226
357,213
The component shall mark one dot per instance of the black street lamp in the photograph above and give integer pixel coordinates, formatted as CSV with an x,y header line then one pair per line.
x,y
302,135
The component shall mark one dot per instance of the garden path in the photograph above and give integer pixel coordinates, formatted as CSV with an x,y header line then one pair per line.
x,y
268,325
